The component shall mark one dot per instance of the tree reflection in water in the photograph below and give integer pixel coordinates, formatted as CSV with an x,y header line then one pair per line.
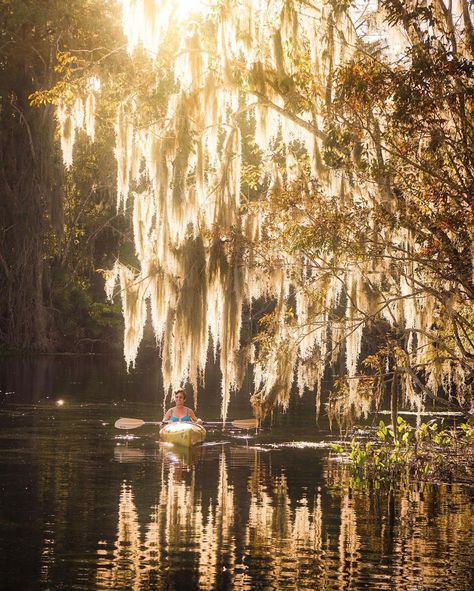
x,y
87,508
223,535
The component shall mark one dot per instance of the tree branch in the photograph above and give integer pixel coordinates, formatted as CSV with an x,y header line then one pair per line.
x,y
298,120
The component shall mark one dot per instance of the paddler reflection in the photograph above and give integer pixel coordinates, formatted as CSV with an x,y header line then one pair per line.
x,y
180,460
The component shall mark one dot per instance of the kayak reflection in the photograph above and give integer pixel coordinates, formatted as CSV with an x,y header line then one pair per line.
x,y
178,457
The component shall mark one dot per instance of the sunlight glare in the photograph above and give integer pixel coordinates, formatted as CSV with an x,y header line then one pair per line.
x,y
145,22
186,8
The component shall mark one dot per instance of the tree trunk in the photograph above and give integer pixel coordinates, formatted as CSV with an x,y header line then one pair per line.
x,y
27,165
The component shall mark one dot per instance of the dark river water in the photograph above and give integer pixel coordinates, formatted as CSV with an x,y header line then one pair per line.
x,y
84,506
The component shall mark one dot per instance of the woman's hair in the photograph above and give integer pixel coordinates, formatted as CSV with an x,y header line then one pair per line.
x,y
180,392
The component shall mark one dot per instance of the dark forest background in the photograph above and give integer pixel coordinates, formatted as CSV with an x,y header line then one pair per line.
x,y
58,227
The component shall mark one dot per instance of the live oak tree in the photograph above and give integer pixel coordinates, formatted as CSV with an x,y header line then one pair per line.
x,y
404,123
400,125
287,160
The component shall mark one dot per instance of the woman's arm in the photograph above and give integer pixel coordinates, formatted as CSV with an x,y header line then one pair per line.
x,y
167,416
193,416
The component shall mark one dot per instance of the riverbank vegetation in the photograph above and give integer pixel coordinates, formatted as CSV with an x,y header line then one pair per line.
x,y
431,451
289,185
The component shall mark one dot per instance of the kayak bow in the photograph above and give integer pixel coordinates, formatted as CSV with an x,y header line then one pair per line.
x,y
185,434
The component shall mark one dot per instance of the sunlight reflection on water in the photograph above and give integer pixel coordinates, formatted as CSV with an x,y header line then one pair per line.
x,y
248,527
85,507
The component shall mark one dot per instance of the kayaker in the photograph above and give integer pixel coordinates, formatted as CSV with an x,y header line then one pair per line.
x,y
180,413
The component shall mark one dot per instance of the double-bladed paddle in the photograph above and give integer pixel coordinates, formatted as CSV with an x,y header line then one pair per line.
x,y
125,423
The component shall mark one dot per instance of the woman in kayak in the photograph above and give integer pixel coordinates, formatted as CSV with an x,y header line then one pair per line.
x,y
180,413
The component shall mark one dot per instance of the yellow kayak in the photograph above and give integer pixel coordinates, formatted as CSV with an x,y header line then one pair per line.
x,y
186,434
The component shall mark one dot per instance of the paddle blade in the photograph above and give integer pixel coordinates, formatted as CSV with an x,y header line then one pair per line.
x,y
245,424
128,423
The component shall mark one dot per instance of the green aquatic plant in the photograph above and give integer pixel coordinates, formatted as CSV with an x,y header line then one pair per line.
x,y
468,429
336,448
429,450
